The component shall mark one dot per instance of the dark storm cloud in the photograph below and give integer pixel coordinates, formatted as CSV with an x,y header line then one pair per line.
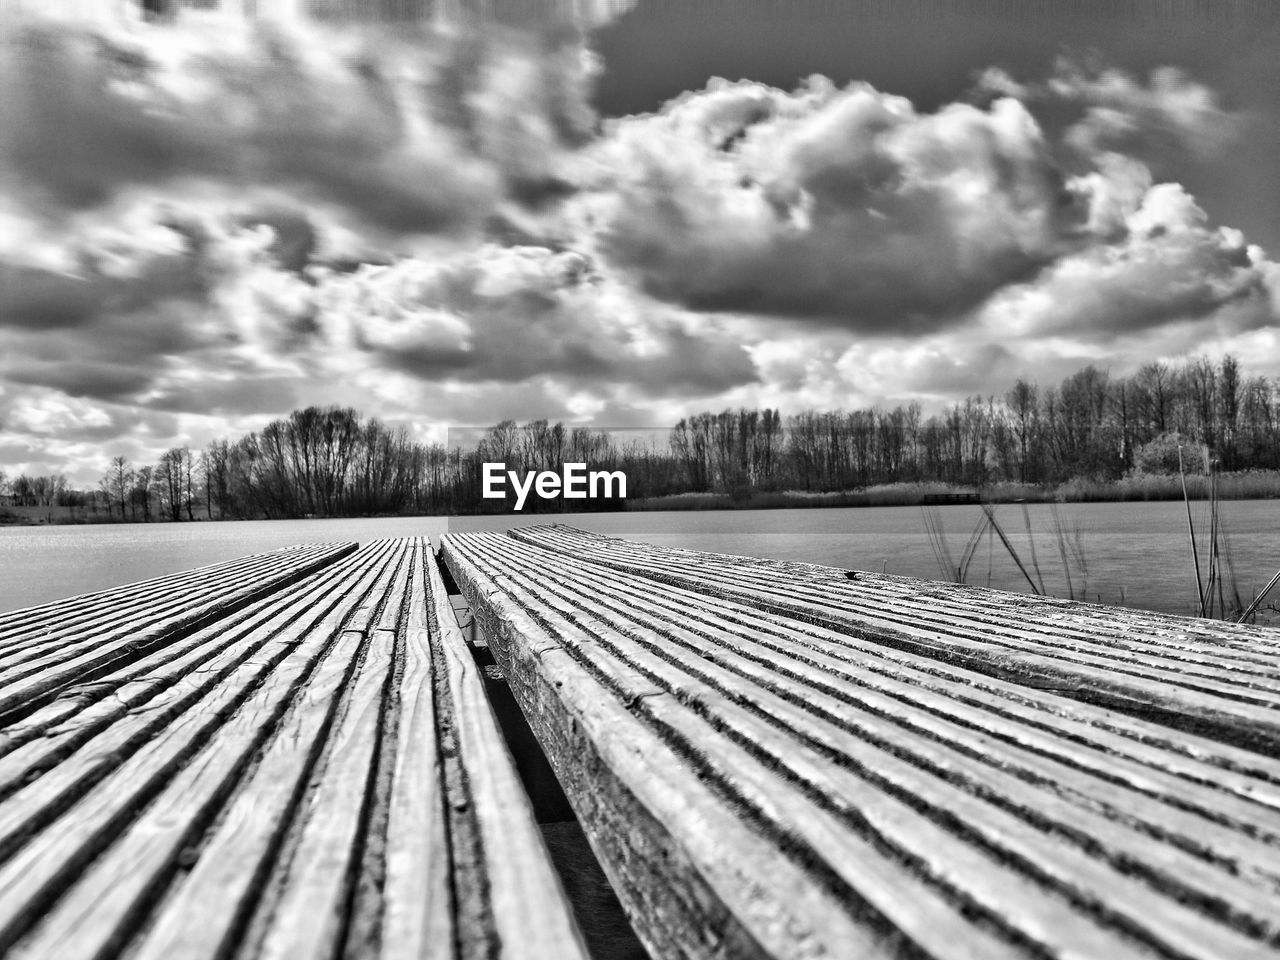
x,y
43,299
155,295
111,382
294,235
48,300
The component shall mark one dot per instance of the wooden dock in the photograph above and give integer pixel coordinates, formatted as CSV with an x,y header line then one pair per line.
x,y
304,754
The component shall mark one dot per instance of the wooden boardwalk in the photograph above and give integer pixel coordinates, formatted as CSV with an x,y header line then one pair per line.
x,y
299,754
776,760
315,773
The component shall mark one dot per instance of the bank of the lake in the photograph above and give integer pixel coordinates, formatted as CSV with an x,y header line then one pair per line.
x,y
1134,553
1244,485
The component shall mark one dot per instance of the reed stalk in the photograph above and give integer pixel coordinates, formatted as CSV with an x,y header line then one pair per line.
x,y
994,525
1257,601
1191,532
1031,539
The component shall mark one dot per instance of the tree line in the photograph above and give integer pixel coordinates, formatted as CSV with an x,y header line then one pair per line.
x,y
331,462
326,462
1091,426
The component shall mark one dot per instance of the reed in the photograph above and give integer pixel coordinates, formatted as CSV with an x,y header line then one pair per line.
x,y
1243,485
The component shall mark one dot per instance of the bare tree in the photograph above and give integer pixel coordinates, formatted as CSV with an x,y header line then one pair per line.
x,y
117,483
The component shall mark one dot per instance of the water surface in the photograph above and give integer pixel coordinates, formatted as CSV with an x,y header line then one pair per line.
x,y
1134,553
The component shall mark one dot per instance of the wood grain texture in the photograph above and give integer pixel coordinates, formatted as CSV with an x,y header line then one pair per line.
x,y
317,773
54,660
523,892
955,812
1219,680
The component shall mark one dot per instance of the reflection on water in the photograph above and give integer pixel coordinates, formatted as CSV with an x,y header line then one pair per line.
x,y
1134,552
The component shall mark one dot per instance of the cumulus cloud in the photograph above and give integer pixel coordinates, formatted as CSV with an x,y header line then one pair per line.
x,y
844,204
200,309
1106,110
126,304
1165,265
851,208
1171,110
513,313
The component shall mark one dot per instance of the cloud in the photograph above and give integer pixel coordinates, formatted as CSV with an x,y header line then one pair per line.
x,y
1169,111
1165,265
202,229
841,204
127,300
405,131
513,313
851,210
237,314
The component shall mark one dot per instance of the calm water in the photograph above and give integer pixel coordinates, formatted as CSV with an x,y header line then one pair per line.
x,y
1135,552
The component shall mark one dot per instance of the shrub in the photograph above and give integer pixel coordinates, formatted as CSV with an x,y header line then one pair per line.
x,y
1160,456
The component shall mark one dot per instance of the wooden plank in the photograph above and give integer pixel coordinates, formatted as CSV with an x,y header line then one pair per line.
x,y
1233,702
1025,825
1097,779
152,684
1144,756
530,918
319,774
309,914
145,602
90,657
97,609
696,876
150,603
235,870
15,623
416,908
43,783
185,764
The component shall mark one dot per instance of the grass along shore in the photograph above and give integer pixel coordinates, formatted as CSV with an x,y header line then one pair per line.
x,y
1246,485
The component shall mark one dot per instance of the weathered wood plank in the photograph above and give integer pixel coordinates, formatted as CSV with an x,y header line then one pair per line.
x,y
232,870
1055,826
987,711
693,874
310,909
16,623
318,774
416,908
158,685
176,779
26,687
98,608
526,925
1233,699
929,719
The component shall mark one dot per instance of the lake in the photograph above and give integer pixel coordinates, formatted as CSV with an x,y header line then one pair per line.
x,y
1135,553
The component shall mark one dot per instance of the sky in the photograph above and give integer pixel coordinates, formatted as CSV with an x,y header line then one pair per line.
x,y
613,213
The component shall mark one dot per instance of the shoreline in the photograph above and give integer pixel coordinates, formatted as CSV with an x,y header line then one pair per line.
x,y
1243,485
